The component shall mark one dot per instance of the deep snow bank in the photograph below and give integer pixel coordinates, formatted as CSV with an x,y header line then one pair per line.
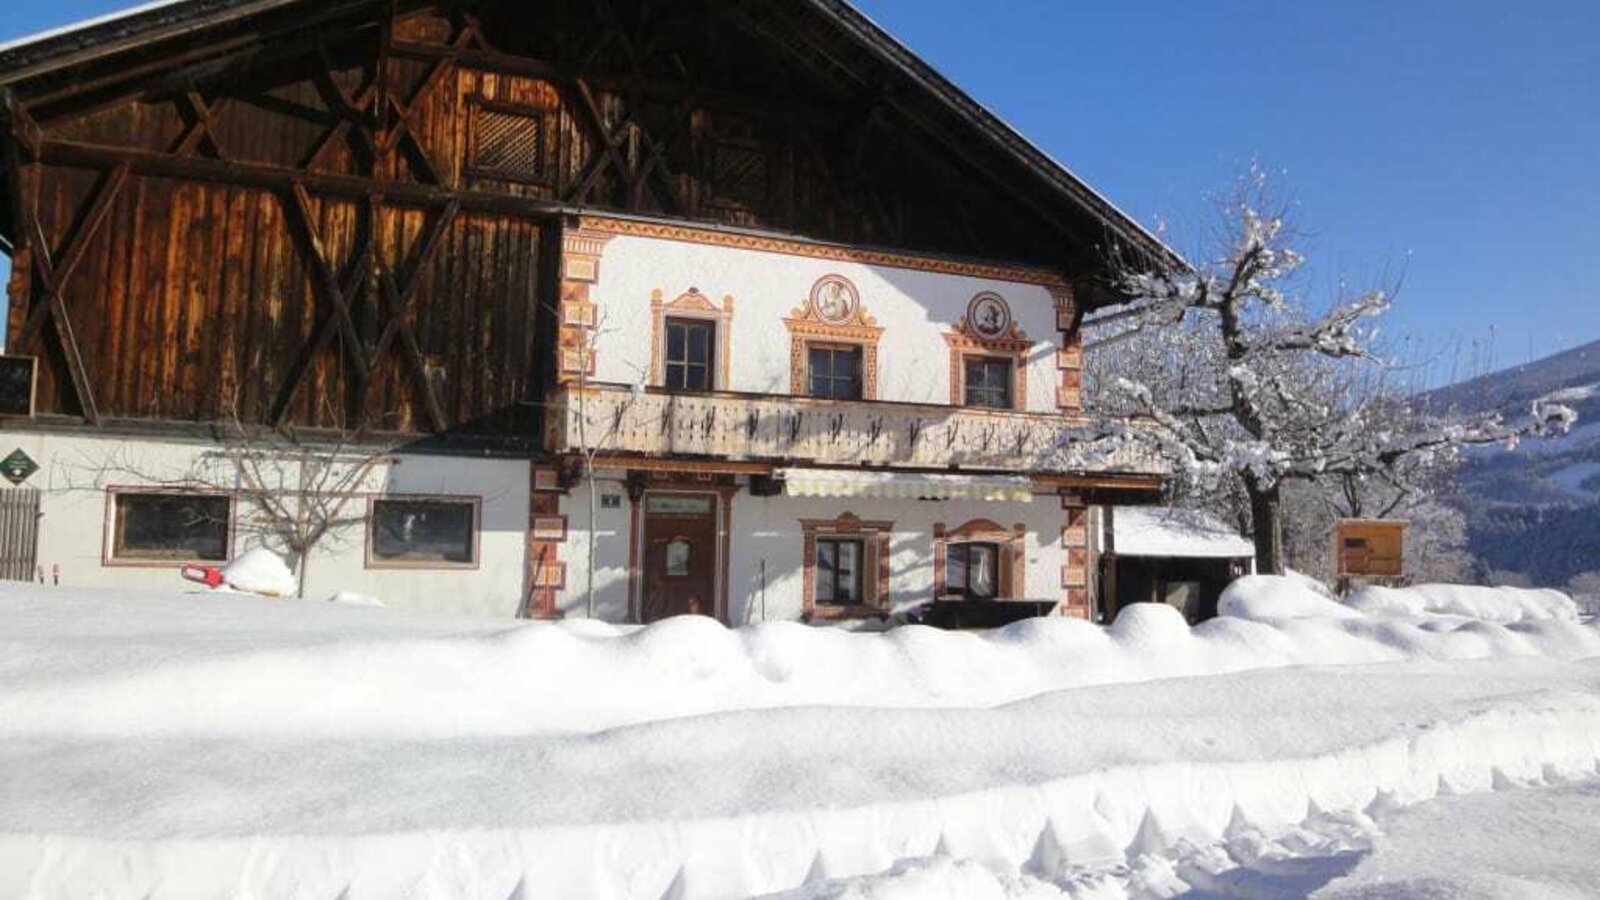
x,y
1489,604
200,746
81,663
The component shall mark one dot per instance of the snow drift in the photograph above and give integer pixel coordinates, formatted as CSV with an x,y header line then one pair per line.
x,y
227,664
1489,604
225,745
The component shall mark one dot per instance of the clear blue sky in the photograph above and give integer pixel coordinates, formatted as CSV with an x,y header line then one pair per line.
x,y
1460,141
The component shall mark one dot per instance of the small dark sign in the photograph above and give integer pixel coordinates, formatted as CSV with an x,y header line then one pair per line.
x,y
17,377
18,466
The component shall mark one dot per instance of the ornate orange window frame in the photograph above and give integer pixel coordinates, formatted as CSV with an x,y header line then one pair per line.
x,y
988,330
1013,554
832,315
690,304
874,537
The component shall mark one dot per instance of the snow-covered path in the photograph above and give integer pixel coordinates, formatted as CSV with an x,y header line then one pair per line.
x,y
129,773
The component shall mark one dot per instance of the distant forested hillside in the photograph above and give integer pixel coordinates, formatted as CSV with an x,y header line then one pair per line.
x,y
1534,509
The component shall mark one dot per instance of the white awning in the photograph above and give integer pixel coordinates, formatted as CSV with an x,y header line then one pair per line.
x,y
905,485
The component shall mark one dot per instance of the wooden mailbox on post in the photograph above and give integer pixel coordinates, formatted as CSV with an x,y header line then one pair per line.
x,y
1369,549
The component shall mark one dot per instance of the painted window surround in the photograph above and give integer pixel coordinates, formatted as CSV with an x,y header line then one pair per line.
x,y
1013,554
691,304
874,537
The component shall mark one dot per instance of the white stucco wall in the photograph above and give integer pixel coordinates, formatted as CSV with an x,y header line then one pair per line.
x,y
612,534
75,473
766,536
914,308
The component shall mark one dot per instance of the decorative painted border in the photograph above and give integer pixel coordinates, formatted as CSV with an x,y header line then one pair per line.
x,y
799,247
807,325
1012,344
579,312
1013,550
874,536
690,304
1069,356
546,573
1075,572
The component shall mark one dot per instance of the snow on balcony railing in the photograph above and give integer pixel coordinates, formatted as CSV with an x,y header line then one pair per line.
x,y
620,420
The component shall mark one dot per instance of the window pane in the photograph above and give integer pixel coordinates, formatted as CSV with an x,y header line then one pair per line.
x,y
171,526
821,363
423,530
988,383
695,377
838,572
826,565
689,355
678,558
699,343
675,342
955,569
848,583
834,373
982,570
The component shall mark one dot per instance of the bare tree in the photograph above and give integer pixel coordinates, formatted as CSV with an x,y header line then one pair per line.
x,y
293,494
1239,381
300,493
594,438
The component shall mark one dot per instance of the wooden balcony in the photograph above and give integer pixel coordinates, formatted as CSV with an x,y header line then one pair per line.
x,y
616,420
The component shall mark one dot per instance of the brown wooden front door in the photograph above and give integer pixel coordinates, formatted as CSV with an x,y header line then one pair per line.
x,y
680,555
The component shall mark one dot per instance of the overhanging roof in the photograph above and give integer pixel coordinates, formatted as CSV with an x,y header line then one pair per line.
x,y
1169,532
99,41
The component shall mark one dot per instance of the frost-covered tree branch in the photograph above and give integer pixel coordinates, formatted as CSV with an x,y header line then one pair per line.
x,y
1232,375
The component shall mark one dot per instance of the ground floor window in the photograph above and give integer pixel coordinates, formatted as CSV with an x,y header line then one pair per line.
x,y
838,575
171,527
846,568
972,571
981,560
422,532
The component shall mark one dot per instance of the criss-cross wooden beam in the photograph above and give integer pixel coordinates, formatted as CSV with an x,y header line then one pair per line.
x,y
398,300
202,124
53,275
337,321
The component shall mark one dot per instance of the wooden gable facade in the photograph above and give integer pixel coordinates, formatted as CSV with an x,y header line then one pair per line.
x,y
347,215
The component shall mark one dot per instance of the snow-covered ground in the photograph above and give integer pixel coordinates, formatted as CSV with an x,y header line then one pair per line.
x,y
227,746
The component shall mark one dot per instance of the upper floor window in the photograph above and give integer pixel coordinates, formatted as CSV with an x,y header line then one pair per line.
x,y
507,141
988,382
423,531
689,354
171,527
834,372
972,570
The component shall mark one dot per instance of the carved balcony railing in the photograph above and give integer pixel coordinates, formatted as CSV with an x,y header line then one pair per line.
x,y
617,420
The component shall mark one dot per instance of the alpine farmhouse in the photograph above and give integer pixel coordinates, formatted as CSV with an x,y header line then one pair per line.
x,y
737,306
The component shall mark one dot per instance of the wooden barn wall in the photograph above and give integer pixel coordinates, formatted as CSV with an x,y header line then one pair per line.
x,y
195,300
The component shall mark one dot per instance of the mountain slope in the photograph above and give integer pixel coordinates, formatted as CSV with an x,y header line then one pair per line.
x,y
1534,509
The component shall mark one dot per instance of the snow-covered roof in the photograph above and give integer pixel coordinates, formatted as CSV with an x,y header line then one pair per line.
x,y
1164,531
